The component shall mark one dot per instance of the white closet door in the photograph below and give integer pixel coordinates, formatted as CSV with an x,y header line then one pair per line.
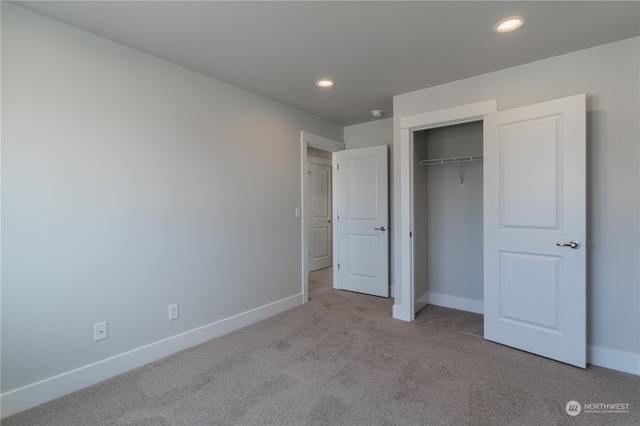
x,y
535,229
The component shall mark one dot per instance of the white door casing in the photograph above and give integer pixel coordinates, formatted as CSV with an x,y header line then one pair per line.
x,y
321,232
404,307
534,199
363,221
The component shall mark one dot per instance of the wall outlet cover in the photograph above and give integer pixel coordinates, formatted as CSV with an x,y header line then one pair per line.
x,y
100,331
173,312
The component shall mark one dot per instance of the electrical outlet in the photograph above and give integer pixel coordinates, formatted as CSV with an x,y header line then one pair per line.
x,y
100,331
173,312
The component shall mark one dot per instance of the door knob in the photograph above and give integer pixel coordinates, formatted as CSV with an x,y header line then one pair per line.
x,y
382,228
572,244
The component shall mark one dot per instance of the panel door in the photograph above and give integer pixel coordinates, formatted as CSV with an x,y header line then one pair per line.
x,y
535,229
363,221
321,235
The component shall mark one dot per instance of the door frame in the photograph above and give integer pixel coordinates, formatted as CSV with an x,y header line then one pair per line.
x,y
319,142
404,305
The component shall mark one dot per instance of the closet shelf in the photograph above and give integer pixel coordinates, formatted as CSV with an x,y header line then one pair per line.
x,y
451,160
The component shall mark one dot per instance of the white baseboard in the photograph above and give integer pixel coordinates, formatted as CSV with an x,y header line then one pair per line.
x,y
401,312
455,302
596,355
445,300
626,362
37,393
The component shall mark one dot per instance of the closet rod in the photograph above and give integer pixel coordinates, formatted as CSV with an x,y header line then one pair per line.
x,y
451,160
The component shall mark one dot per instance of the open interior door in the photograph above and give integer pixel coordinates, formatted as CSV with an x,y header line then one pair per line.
x,y
535,229
363,220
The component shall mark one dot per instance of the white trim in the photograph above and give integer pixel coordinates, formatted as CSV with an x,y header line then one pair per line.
x,y
37,393
320,142
616,360
304,239
312,159
456,302
399,312
405,309
334,206
449,116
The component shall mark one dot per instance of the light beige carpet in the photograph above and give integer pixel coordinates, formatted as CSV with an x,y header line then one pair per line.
x,y
342,360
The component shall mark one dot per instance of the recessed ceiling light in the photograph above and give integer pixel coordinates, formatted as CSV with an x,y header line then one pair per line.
x,y
324,83
509,24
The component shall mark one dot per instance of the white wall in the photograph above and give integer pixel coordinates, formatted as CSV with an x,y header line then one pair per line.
x,y
609,76
128,184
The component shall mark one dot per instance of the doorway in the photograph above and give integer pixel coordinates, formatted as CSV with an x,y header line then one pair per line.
x,y
320,281
364,189
409,301
323,147
320,209
320,230
534,222
448,225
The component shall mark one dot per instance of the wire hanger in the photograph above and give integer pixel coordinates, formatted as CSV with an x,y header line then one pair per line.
x,y
461,170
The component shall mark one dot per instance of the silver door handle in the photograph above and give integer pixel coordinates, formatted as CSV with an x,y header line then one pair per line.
x,y
572,244
329,221
382,228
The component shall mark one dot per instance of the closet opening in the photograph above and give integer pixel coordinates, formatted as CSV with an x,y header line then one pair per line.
x,y
448,217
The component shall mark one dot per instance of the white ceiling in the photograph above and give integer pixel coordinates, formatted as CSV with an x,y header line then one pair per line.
x,y
372,49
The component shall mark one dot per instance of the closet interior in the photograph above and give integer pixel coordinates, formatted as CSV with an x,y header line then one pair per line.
x,y
448,217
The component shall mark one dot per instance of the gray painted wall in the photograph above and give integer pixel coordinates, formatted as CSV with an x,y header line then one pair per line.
x,y
373,133
448,227
609,76
314,152
128,184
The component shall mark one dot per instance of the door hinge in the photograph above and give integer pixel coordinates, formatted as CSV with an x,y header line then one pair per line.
x,y
338,166
410,234
338,266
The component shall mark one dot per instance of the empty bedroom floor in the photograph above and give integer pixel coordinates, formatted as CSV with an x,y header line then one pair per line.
x,y
342,359
431,316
